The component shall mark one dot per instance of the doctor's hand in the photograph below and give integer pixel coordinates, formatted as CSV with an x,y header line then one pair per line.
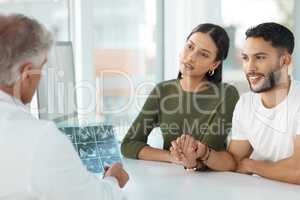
x,y
119,173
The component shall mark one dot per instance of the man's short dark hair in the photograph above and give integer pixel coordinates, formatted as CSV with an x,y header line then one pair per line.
x,y
278,35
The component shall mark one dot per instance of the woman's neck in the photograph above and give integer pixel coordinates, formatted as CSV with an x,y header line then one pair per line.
x,y
193,84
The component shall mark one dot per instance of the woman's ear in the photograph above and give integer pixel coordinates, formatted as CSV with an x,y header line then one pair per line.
x,y
216,65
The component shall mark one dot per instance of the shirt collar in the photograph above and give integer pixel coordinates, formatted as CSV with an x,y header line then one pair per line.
x,y
5,97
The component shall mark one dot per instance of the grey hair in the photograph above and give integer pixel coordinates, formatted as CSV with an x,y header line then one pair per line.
x,y
22,40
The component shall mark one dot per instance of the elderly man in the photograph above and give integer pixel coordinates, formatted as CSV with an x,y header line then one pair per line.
x,y
37,161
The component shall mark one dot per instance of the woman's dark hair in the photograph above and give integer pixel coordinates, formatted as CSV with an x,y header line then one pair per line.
x,y
221,39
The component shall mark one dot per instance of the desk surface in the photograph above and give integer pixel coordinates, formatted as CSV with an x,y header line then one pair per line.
x,y
163,181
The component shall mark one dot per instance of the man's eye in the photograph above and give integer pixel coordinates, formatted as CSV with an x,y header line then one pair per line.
x,y
244,58
260,57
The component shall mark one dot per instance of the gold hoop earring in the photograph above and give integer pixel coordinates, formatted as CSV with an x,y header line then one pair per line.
x,y
211,72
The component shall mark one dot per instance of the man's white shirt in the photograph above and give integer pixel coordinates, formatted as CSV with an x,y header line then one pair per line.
x,y
39,162
271,132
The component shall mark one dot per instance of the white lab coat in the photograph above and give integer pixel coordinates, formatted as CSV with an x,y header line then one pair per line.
x,y
38,162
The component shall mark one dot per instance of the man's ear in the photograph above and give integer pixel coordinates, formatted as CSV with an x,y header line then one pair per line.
x,y
286,60
25,70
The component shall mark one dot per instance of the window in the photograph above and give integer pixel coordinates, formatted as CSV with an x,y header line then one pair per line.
x,y
126,38
53,13
117,47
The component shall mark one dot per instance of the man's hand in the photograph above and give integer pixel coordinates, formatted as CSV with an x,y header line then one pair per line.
x,y
244,166
119,173
201,149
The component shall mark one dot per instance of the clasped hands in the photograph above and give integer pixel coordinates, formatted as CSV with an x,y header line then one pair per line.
x,y
187,151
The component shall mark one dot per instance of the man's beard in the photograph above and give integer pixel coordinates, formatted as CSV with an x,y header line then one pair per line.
x,y
270,81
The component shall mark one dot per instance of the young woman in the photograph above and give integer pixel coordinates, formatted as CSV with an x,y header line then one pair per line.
x,y
196,103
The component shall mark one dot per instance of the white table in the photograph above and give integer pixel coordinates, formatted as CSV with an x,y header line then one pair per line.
x,y
163,181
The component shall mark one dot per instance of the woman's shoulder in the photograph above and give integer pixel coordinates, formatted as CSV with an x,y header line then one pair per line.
x,y
164,88
228,92
228,88
166,83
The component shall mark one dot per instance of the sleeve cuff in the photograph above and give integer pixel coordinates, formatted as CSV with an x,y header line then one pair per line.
x,y
138,148
112,180
114,184
238,138
132,149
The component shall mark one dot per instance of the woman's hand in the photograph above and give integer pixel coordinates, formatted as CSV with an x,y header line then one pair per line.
x,y
185,150
192,150
175,156
176,153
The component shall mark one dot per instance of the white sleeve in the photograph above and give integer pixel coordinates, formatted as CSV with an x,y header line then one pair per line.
x,y
297,124
237,131
58,173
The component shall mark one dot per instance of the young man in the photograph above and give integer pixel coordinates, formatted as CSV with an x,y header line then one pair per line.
x,y
37,161
266,121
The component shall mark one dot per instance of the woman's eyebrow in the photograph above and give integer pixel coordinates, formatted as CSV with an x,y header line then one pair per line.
x,y
207,51
193,43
